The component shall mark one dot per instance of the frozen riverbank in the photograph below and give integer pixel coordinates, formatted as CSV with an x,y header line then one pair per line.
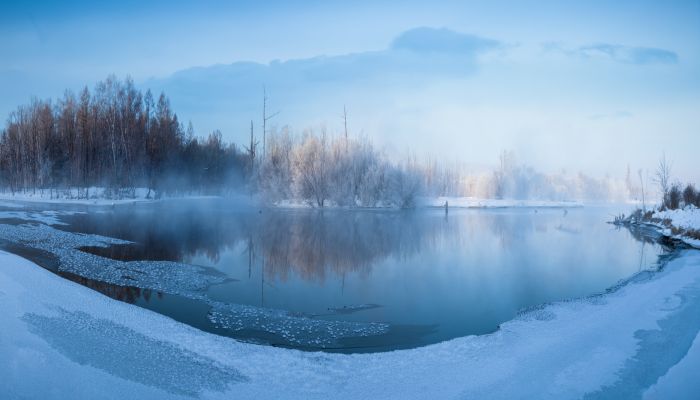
x,y
682,224
453,202
62,340
90,196
473,202
98,196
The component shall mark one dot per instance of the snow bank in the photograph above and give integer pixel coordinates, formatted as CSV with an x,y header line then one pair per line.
x,y
62,340
453,202
10,204
96,196
688,218
473,202
682,224
48,217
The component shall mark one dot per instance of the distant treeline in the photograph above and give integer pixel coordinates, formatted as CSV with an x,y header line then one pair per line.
x,y
119,138
116,137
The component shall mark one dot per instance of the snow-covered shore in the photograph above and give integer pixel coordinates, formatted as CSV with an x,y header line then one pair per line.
x,y
473,202
681,224
62,340
452,202
99,197
95,196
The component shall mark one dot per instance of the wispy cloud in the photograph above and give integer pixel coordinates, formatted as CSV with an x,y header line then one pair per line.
x,y
421,50
623,54
430,40
612,116
419,54
630,55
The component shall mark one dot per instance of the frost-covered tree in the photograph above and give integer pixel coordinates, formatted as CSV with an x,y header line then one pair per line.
x,y
404,184
311,167
663,178
276,175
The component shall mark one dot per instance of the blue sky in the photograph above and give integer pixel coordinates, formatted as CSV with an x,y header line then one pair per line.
x,y
587,86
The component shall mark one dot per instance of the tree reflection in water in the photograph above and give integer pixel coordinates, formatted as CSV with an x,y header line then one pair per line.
x,y
127,294
308,243
426,275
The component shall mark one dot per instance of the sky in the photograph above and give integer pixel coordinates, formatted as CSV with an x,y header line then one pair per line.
x,y
577,86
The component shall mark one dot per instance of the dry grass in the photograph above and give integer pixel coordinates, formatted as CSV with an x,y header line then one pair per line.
x,y
693,234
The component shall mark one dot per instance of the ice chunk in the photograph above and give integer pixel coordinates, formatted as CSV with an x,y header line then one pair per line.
x,y
171,277
298,330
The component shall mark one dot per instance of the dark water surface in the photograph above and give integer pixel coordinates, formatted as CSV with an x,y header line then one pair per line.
x,y
429,276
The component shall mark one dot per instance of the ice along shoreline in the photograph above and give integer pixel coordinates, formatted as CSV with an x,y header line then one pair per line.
x,y
595,346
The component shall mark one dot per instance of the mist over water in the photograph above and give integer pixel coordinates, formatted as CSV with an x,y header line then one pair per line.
x,y
349,199
425,275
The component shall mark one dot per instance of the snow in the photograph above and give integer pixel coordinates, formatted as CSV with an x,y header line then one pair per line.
x,y
47,217
190,281
473,202
292,203
453,202
62,340
97,196
672,385
10,204
178,278
686,219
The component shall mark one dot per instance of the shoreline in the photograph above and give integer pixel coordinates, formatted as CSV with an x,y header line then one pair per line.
x,y
542,338
97,198
681,224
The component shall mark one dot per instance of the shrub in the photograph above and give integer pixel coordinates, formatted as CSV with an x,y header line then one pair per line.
x,y
691,196
672,199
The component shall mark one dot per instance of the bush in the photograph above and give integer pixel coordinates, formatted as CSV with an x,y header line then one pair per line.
x,y
672,199
691,196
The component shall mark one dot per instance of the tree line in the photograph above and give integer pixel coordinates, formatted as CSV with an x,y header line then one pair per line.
x,y
116,137
119,138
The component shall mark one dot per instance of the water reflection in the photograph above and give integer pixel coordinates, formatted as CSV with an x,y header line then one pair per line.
x,y
426,275
127,294
314,245
310,244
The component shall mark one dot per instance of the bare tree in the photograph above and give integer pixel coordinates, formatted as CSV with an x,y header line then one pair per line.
x,y
266,118
345,126
250,149
663,177
506,162
641,182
